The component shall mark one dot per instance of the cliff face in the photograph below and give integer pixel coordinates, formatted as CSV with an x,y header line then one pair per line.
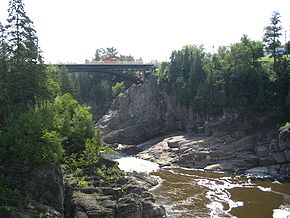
x,y
138,115
146,111
33,192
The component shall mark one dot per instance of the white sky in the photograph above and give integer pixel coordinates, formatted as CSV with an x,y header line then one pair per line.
x,y
71,30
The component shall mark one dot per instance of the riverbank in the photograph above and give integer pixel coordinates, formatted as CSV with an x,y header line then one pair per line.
x,y
256,153
228,140
189,192
124,194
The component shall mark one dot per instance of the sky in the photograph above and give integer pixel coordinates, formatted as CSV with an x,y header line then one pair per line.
x,y
70,31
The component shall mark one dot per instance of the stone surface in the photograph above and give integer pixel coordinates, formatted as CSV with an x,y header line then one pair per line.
x,y
279,157
287,154
126,196
262,151
266,161
172,143
245,144
136,116
43,187
284,138
147,111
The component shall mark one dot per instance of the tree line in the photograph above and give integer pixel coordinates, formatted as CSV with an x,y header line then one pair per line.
x,y
234,76
40,121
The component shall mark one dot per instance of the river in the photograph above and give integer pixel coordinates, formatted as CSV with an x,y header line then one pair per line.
x,y
195,193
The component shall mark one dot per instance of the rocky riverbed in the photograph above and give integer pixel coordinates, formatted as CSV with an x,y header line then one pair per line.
x,y
255,153
228,140
121,197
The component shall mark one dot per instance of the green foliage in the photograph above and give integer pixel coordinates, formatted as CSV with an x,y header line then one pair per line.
x,y
88,157
7,192
110,52
43,133
118,89
272,34
8,208
232,77
23,79
82,184
74,122
28,137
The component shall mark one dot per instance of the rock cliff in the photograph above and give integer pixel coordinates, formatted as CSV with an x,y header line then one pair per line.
x,y
45,192
145,111
32,193
228,140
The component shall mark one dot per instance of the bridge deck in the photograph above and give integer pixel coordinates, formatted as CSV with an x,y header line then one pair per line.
x,y
105,67
113,69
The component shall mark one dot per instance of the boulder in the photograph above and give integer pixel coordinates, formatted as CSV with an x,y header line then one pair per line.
x,y
284,138
130,206
173,143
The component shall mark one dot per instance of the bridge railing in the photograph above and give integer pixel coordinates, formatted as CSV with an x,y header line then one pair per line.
x,y
115,62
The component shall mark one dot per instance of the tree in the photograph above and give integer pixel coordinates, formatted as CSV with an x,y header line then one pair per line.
x,y
105,53
3,74
256,48
118,89
26,72
287,48
126,58
272,34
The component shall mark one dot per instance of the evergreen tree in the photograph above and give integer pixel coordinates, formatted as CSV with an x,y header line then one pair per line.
x,y
272,34
4,86
26,75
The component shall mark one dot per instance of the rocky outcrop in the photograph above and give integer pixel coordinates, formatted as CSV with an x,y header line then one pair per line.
x,y
144,112
225,153
35,192
136,116
227,140
121,197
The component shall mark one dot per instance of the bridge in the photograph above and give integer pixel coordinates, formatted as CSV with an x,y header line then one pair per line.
x,y
115,68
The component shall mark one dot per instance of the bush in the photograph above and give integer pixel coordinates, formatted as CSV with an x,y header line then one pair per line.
x,y
118,89
28,138
74,122
43,133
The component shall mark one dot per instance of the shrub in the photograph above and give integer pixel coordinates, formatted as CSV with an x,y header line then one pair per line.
x,y
74,122
28,138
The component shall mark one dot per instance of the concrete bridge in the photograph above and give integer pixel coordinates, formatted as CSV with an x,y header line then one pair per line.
x,y
117,68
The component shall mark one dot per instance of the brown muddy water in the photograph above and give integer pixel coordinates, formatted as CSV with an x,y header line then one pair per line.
x,y
195,193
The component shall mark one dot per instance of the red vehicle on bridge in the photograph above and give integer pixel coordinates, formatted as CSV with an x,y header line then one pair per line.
x,y
109,60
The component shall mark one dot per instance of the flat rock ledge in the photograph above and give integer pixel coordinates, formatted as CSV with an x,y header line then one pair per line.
x,y
235,152
124,197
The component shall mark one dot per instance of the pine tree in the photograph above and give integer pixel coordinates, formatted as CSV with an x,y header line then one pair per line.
x,y
4,86
272,34
26,70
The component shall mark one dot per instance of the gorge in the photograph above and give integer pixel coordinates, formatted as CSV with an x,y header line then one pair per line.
x,y
252,149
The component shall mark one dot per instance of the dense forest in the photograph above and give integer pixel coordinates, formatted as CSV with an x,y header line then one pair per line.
x,y
238,75
40,121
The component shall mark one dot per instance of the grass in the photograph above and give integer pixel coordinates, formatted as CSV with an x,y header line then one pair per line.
x,y
271,59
